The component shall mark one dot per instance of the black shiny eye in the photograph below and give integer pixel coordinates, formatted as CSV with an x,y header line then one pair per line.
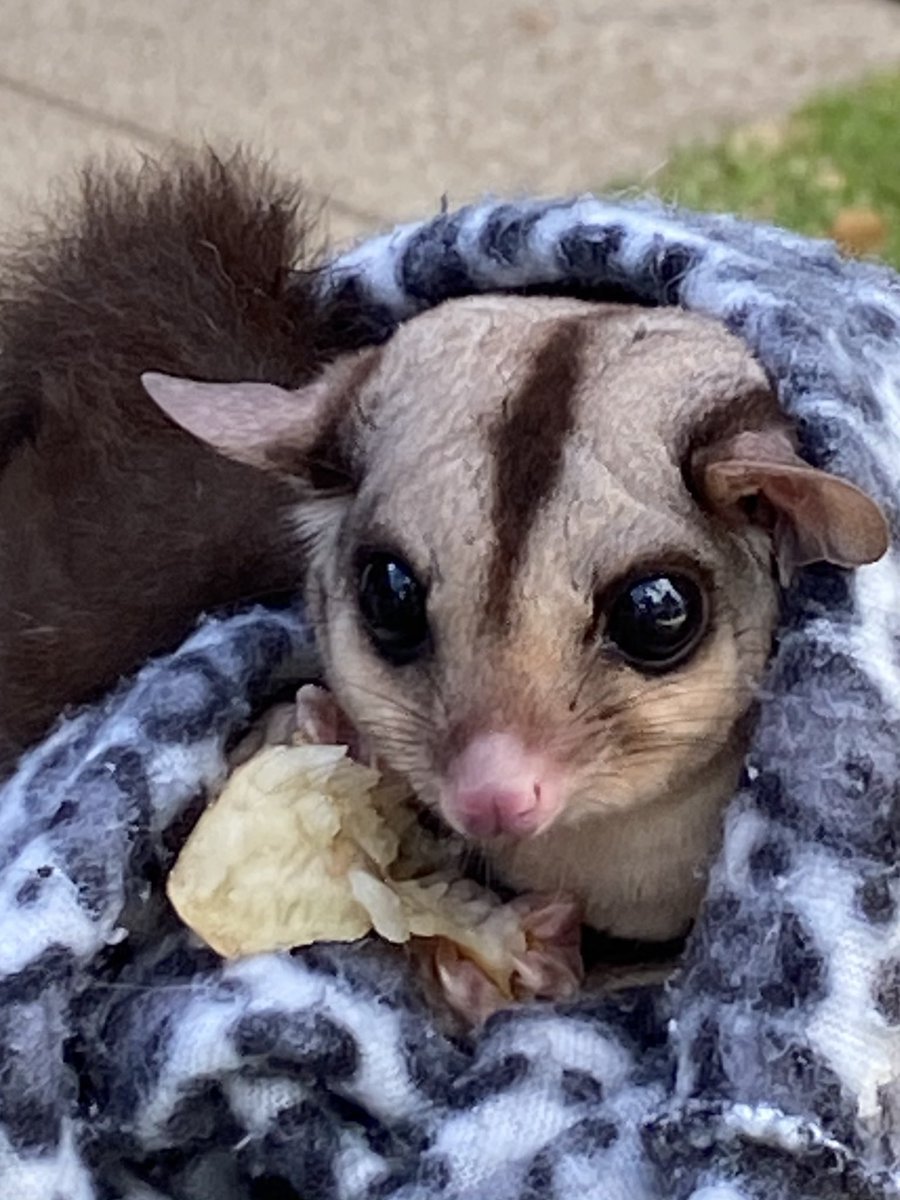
x,y
392,605
655,622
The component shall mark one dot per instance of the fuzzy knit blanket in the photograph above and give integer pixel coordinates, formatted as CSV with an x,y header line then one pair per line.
x,y
135,1065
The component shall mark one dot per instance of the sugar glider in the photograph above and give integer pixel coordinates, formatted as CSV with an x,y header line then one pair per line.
x,y
543,544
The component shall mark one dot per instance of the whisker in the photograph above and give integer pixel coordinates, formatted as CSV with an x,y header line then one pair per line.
x,y
390,699
608,709
661,752
676,721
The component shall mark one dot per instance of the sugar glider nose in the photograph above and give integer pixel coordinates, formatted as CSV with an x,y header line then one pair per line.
x,y
498,786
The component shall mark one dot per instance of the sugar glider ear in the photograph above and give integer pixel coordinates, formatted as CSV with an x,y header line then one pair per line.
x,y
813,516
240,420
291,433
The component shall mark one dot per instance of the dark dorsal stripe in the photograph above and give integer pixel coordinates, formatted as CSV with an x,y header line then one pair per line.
x,y
527,444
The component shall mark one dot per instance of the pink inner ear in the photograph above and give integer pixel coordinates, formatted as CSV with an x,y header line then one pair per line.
x,y
821,518
726,482
237,419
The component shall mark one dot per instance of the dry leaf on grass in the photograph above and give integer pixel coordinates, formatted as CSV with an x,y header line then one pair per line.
x,y
860,231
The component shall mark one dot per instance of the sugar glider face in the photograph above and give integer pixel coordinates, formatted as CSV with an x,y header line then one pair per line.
x,y
524,605
527,604
543,573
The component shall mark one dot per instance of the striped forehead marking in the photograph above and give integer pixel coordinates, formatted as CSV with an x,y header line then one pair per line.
x,y
527,444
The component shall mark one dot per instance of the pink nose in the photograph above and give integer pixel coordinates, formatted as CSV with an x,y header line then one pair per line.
x,y
498,786
487,811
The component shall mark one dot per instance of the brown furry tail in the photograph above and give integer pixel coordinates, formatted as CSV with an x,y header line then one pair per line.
x,y
117,530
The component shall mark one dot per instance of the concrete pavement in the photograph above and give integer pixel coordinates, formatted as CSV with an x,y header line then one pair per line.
x,y
385,105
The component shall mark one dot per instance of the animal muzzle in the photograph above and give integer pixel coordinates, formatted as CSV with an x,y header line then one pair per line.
x,y
498,786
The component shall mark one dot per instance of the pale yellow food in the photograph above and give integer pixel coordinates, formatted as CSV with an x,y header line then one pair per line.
x,y
299,849
266,867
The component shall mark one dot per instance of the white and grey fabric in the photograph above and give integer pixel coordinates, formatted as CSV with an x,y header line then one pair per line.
x,y
135,1065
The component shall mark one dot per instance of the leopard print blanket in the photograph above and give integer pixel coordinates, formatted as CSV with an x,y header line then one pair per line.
x,y
135,1065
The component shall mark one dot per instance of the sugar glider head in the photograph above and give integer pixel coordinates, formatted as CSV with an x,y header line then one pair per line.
x,y
544,542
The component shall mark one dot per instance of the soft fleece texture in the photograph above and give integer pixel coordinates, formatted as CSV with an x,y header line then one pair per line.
x,y
134,1064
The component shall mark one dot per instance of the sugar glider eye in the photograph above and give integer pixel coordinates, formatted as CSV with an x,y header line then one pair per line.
x,y
656,621
392,605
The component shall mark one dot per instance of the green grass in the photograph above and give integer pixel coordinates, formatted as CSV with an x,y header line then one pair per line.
x,y
841,151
